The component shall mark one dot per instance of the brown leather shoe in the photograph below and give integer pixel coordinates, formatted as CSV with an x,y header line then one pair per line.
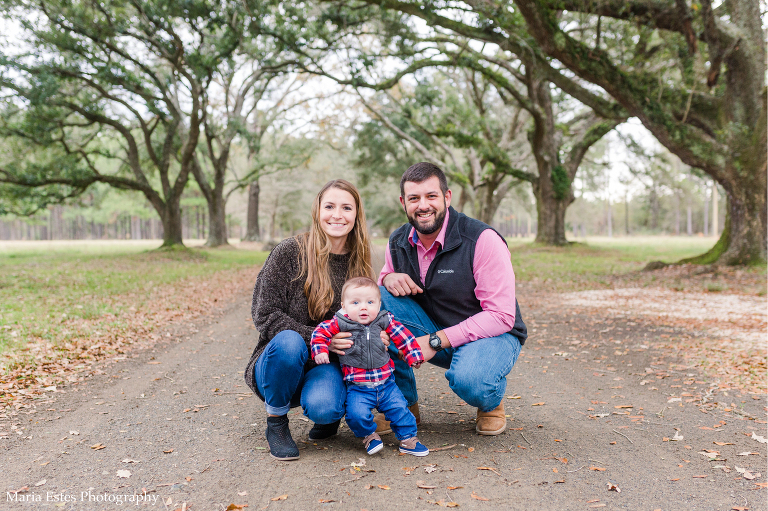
x,y
491,423
382,424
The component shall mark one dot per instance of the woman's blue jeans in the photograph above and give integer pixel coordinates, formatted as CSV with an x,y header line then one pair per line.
x,y
281,380
476,371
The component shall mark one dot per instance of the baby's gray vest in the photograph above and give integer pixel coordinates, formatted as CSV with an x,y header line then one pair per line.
x,y
368,351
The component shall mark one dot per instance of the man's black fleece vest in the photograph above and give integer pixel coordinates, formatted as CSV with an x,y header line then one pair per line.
x,y
367,351
449,287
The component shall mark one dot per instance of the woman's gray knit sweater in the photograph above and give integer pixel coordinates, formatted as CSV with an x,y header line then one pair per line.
x,y
279,302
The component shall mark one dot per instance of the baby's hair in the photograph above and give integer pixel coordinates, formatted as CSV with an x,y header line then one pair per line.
x,y
359,282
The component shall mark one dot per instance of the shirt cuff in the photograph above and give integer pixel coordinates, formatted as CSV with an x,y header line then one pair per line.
x,y
455,336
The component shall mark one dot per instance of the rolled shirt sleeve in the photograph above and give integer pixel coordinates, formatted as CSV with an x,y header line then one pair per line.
x,y
494,287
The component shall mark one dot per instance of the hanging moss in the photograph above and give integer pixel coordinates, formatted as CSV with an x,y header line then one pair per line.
x,y
560,182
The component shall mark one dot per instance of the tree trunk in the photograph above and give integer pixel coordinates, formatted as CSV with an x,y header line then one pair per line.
x,y
715,210
253,232
706,213
217,219
743,240
551,217
171,219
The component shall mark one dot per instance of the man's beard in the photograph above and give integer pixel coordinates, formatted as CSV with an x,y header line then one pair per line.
x,y
434,226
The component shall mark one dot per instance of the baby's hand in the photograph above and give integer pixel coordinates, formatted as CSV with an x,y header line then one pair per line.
x,y
416,365
322,358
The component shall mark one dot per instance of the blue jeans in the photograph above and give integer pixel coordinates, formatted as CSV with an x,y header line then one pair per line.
x,y
280,378
386,398
476,371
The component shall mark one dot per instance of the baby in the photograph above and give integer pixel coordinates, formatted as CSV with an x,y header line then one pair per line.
x,y
367,367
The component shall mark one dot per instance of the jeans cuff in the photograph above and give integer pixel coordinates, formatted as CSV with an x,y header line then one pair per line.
x,y
279,410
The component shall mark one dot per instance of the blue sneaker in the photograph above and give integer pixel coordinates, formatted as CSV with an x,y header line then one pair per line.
x,y
414,447
373,443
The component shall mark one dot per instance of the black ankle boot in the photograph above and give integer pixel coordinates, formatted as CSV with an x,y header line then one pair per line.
x,y
281,445
322,431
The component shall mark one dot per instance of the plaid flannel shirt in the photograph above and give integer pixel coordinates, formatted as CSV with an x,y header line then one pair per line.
x,y
401,336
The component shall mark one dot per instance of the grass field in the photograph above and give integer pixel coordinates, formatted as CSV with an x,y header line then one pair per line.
x,y
45,286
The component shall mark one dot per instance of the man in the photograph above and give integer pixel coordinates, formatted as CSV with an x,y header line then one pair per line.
x,y
449,279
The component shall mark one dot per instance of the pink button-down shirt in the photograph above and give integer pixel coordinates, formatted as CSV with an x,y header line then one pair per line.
x,y
494,285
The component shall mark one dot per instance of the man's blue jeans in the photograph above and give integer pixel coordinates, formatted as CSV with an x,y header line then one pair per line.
x,y
387,399
476,371
281,379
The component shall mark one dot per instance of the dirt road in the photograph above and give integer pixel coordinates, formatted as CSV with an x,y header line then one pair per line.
x,y
599,416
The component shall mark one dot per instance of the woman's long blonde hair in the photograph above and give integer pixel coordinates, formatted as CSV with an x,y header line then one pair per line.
x,y
315,249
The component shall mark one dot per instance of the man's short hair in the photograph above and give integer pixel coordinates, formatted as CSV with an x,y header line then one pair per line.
x,y
420,172
359,282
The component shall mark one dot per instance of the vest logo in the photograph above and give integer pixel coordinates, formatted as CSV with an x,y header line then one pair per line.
x,y
444,271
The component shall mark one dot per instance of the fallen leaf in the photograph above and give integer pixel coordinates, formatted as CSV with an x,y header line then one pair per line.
x,y
677,437
538,404
739,508
624,406
614,487
471,449
40,483
700,477
430,468
443,448
74,433
125,474
280,497
454,487
326,501
747,453
761,485
169,451
477,497
425,487
233,507
360,463
723,443
514,397
128,460
489,468
598,469
242,493
188,479
759,438
383,486
97,447
593,501
675,479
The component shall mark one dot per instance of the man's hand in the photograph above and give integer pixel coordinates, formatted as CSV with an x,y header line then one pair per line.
x,y
341,342
322,358
426,349
400,284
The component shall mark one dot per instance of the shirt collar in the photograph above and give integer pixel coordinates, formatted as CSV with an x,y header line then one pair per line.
x,y
414,237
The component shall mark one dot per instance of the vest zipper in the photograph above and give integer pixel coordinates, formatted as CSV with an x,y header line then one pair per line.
x,y
368,338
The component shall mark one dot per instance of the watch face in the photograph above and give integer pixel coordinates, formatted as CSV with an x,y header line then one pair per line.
x,y
434,342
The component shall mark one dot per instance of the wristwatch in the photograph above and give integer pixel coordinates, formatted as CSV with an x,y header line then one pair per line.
x,y
434,342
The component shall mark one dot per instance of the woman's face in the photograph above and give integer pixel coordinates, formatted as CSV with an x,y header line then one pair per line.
x,y
337,213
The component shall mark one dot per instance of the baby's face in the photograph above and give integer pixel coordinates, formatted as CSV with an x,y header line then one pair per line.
x,y
361,304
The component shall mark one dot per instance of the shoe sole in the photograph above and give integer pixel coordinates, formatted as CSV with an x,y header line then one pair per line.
x,y
404,451
491,433
376,449
321,438
289,458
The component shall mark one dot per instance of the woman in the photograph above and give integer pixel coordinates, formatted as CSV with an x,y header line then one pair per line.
x,y
299,287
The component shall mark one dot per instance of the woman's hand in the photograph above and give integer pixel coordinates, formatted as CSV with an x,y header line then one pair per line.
x,y
340,342
322,358
385,338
